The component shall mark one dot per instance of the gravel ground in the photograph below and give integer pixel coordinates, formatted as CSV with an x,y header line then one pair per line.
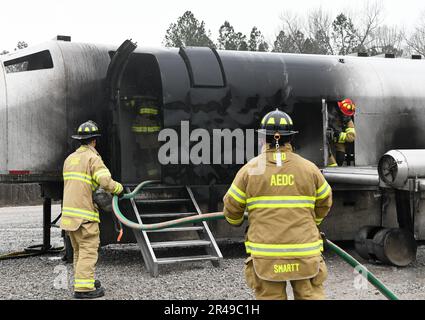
x,y
121,270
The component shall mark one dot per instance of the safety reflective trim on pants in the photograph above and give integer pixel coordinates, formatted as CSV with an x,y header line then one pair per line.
x,y
284,250
148,111
101,173
281,202
84,283
234,222
342,137
145,129
237,194
323,191
80,213
350,130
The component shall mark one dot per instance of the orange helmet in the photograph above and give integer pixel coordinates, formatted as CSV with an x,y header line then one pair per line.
x,y
347,107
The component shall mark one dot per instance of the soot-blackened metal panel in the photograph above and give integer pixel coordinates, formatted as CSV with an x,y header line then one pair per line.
x,y
256,84
391,106
310,79
37,114
204,67
85,71
46,105
390,109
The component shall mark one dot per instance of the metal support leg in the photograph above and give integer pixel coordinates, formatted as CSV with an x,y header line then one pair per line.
x,y
404,211
47,218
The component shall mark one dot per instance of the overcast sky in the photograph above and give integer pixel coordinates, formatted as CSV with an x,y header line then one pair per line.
x,y
107,21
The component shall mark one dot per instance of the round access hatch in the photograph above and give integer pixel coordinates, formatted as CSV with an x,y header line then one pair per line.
x,y
388,169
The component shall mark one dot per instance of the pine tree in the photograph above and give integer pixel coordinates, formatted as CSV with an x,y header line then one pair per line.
x,y
187,31
256,41
228,39
344,35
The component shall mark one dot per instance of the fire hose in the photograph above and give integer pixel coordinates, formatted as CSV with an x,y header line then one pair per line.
x,y
219,216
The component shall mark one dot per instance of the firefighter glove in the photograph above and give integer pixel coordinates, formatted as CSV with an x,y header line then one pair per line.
x,y
324,239
336,134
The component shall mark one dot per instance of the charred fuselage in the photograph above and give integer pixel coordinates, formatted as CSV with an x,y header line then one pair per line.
x,y
46,91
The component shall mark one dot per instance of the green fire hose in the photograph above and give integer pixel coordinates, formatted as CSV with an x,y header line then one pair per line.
x,y
219,216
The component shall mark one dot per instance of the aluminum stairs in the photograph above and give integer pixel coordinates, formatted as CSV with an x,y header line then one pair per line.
x,y
187,243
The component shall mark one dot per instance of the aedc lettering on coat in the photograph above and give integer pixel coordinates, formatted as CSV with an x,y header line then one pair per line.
x,y
282,180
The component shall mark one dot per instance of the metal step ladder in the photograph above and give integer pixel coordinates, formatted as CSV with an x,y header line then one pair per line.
x,y
162,203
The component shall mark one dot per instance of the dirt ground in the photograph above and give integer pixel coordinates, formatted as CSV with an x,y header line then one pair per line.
x,y
123,274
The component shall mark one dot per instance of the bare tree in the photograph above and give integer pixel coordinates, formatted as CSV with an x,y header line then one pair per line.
x,y
416,42
370,18
319,28
309,34
348,32
294,29
387,39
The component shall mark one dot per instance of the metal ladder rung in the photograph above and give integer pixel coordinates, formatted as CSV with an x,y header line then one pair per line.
x,y
161,201
161,187
186,259
178,229
166,215
206,241
175,244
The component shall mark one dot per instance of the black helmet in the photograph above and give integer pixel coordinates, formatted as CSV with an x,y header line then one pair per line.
x,y
277,121
87,130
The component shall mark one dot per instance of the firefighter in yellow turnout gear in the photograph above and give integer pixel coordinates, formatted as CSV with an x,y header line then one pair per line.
x,y
341,130
83,172
145,127
286,197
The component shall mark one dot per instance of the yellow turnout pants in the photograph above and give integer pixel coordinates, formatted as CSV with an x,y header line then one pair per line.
x,y
85,242
307,289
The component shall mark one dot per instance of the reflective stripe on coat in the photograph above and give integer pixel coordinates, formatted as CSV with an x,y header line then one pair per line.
x,y
83,172
285,204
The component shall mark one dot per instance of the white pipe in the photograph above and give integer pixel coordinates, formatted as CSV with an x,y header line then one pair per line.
x,y
347,178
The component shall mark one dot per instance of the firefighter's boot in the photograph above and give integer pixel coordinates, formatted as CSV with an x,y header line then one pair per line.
x,y
97,293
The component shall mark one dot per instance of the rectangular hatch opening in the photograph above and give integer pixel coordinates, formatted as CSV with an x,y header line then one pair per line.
x,y
36,61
